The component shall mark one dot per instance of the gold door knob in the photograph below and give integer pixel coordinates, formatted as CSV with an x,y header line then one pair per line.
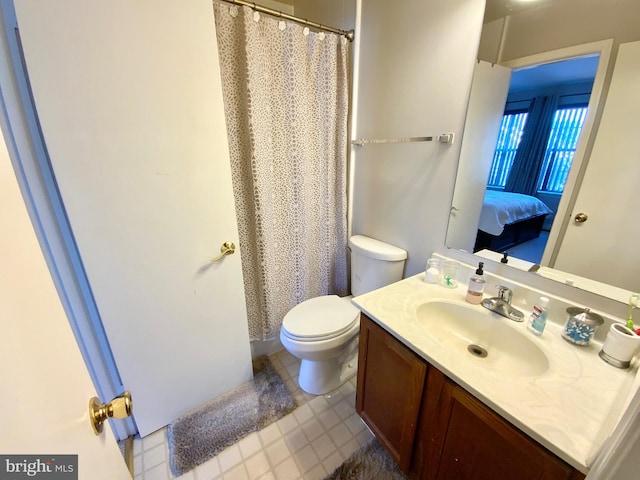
x,y
227,248
119,407
580,218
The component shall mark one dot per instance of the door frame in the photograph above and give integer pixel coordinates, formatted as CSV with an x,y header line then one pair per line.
x,y
33,170
602,48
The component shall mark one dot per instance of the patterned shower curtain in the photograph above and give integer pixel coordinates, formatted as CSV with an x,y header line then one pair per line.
x,y
285,93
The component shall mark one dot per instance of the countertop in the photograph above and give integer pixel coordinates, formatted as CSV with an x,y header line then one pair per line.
x,y
615,293
569,409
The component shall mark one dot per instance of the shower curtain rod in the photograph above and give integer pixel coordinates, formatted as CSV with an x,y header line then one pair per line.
x,y
350,34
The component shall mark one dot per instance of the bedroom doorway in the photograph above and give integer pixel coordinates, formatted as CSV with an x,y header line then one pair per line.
x,y
557,225
543,118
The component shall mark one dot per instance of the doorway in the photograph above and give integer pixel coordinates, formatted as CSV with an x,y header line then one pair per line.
x,y
535,150
602,50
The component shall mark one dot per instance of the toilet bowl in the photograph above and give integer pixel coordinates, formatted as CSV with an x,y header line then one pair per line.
x,y
323,331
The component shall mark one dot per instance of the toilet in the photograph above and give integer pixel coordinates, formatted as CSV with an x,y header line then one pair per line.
x,y
323,331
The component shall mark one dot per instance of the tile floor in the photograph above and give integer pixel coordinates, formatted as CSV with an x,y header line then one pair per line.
x,y
307,444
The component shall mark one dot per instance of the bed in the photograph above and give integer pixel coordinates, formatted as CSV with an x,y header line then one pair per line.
x,y
508,219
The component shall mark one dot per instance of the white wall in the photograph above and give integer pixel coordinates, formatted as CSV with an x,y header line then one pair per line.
x,y
333,13
415,69
413,79
284,7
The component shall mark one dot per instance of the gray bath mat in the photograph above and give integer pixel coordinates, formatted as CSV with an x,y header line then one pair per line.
x,y
370,462
204,432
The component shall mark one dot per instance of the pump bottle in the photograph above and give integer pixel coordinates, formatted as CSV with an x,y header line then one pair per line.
x,y
476,286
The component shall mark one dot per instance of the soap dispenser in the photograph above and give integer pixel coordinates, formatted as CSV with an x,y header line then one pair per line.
x,y
476,286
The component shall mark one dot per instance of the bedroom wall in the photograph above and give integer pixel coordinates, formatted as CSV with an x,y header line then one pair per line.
x,y
569,94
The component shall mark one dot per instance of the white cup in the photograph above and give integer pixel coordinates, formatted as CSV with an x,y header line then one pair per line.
x,y
620,346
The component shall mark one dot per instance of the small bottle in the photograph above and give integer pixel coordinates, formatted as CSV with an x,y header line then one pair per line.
x,y
432,272
538,318
476,286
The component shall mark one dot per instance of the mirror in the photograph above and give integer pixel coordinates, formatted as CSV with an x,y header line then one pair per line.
x,y
512,37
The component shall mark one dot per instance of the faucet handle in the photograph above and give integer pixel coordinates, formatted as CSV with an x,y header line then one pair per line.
x,y
504,293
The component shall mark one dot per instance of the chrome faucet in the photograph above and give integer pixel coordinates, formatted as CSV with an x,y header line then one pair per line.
x,y
505,294
502,304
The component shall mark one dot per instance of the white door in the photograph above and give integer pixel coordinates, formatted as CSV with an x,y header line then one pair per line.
x,y
45,386
129,99
486,106
609,191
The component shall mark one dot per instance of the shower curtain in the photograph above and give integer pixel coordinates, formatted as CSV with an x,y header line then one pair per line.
x,y
285,93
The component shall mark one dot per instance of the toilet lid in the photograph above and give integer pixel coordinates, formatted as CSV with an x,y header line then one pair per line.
x,y
325,316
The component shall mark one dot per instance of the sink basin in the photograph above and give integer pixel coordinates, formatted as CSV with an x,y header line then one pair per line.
x,y
484,337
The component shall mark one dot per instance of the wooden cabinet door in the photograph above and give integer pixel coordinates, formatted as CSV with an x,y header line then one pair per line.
x,y
480,445
391,379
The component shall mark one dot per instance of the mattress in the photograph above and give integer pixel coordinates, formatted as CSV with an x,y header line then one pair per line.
x,y
502,208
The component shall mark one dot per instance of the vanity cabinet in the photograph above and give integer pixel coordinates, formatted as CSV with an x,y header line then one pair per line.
x,y
434,429
389,390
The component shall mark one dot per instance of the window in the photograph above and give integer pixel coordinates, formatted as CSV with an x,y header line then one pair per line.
x,y
561,146
508,140
565,132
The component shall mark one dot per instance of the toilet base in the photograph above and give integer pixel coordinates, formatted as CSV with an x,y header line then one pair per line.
x,y
323,376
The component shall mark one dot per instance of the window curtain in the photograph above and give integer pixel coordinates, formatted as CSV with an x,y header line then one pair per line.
x,y
528,161
285,93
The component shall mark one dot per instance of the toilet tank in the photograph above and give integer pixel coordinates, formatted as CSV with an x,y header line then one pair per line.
x,y
374,264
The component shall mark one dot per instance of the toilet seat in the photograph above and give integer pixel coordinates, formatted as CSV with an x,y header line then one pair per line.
x,y
320,318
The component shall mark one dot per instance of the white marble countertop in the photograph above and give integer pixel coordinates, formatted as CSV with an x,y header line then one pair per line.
x,y
568,409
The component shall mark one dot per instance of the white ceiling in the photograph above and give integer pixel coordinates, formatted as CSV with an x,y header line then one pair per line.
x,y
557,73
496,9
